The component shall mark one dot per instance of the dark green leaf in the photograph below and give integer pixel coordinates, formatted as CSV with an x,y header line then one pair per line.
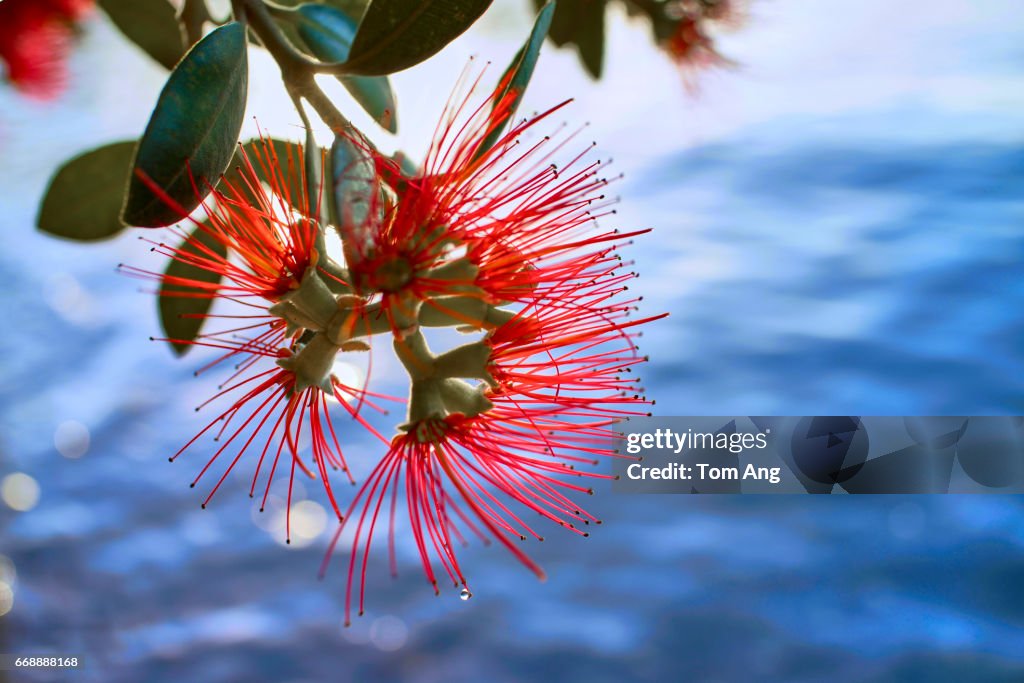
x,y
373,93
580,23
590,42
330,27
563,23
396,35
191,135
517,75
328,33
150,24
83,201
182,312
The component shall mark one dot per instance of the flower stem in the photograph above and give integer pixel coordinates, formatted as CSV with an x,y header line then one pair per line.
x,y
193,15
415,355
297,69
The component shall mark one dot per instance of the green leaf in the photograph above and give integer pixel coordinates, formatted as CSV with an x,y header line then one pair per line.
x,y
590,42
396,35
191,135
83,200
580,23
182,312
328,33
150,24
517,75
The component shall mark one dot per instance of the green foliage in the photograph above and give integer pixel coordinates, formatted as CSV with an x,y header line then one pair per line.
x,y
589,41
150,24
580,23
396,35
181,311
517,75
191,135
83,200
328,32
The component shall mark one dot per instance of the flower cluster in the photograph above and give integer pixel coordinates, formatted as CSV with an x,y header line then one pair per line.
x,y
264,244
493,237
35,37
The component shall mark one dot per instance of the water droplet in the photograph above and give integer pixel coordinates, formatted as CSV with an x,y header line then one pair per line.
x,y
465,595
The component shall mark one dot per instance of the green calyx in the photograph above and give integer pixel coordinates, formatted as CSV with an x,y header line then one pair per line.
x,y
311,305
432,400
352,318
439,387
316,305
459,276
393,275
463,311
326,317
311,363
404,308
469,361
332,323
462,398
427,431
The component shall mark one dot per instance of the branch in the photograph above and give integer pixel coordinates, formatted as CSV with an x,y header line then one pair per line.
x,y
297,69
192,17
270,34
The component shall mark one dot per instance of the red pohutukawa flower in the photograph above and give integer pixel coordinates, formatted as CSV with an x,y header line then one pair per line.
x,y
261,247
35,38
500,240
557,379
496,237
499,220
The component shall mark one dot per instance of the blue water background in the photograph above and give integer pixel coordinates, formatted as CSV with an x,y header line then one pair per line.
x,y
858,257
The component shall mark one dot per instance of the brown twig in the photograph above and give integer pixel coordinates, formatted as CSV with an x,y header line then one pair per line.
x,y
193,15
297,69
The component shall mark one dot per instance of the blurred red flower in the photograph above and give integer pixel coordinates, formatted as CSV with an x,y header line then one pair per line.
x,y
35,38
693,50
